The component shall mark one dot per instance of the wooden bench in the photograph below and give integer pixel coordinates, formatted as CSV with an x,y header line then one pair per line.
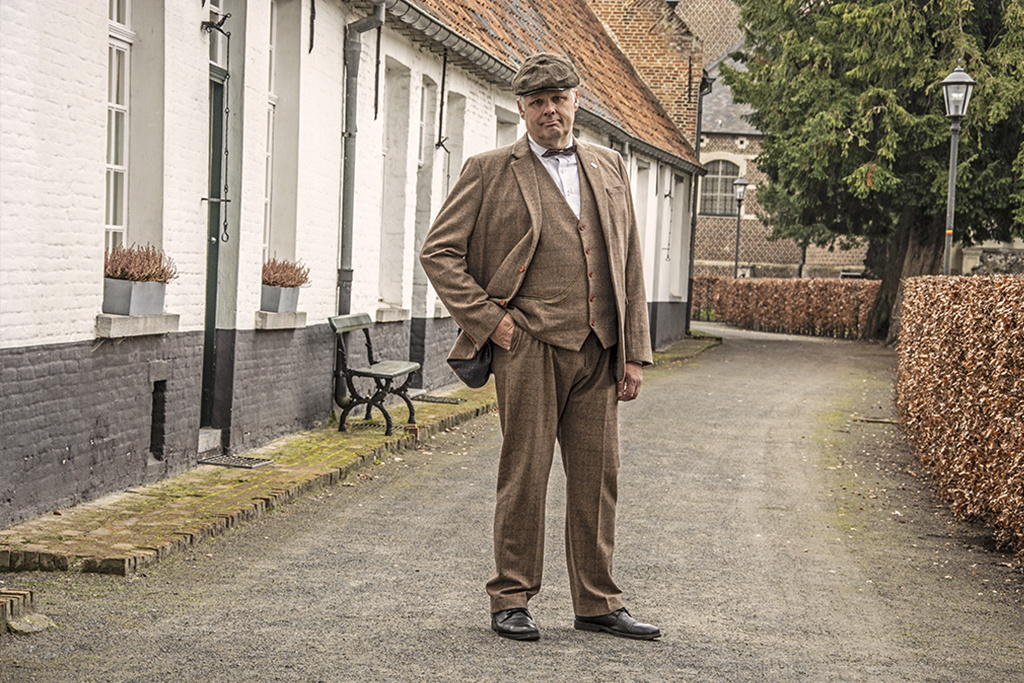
x,y
384,373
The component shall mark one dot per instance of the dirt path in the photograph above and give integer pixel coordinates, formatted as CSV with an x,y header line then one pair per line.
x,y
768,524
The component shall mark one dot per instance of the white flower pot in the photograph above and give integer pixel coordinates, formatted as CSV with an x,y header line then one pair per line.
x,y
279,299
125,297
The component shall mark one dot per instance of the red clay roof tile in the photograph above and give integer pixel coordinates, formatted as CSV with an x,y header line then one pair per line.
x,y
511,30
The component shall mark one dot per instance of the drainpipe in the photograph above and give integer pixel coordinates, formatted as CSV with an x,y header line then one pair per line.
x,y
706,82
353,52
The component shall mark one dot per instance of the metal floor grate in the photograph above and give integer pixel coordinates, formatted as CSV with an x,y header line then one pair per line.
x,y
233,461
427,398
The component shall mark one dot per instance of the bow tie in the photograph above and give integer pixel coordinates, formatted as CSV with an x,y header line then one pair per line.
x,y
568,151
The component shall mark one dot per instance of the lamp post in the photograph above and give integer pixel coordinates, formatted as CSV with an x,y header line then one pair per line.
x,y
956,93
739,186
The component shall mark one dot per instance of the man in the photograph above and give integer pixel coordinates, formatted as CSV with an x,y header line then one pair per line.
x,y
536,252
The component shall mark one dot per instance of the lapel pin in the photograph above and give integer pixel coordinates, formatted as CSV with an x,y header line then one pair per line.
x,y
593,164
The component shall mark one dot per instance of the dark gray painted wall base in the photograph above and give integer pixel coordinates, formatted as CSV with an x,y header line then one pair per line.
x,y
79,420
669,322
438,336
281,383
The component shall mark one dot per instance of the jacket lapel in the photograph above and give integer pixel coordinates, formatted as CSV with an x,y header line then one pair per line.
x,y
509,275
525,172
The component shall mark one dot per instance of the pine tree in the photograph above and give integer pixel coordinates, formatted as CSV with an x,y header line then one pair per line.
x,y
856,142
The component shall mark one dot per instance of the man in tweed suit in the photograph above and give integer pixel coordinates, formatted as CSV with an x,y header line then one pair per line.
x,y
536,252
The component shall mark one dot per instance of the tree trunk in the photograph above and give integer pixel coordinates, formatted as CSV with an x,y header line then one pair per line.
x,y
914,249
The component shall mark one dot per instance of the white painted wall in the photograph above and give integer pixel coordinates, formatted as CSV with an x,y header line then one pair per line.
x,y
52,152
186,143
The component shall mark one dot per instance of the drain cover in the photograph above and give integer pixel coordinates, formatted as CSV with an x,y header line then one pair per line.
x,y
427,398
233,461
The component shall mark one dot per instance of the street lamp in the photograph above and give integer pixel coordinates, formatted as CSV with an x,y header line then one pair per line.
x,y
739,186
956,92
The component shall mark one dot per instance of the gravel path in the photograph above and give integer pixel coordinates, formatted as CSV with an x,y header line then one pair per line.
x,y
770,522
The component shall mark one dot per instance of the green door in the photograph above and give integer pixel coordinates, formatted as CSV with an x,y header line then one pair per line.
x,y
212,249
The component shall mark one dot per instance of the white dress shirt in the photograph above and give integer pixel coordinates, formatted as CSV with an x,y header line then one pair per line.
x,y
564,170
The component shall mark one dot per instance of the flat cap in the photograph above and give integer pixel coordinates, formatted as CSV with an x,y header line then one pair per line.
x,y
545,71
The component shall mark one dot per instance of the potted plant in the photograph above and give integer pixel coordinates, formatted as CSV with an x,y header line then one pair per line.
x,y
281,281
135,279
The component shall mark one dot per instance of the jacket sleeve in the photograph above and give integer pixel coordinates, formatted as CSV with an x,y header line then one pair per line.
x,y
443,257
636,329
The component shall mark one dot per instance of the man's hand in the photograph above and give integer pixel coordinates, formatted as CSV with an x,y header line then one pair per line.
x,y
629,387
502,335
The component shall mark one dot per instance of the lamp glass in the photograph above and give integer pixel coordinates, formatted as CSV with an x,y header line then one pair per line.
x,y
739,186
956,92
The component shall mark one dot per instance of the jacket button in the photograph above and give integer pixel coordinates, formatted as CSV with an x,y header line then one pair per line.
x,y
593,323
502,303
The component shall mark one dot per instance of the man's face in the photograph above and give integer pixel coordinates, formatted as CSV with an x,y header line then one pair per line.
x,y
549,115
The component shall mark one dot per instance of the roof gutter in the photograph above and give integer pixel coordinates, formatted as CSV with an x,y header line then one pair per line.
x,y
502,73
434,30
639,146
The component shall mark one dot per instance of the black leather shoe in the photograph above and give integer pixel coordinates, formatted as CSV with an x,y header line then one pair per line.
x,y
515,623
618,623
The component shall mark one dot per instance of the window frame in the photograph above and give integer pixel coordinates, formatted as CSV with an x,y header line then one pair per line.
x,y
268,181
118,144
716,189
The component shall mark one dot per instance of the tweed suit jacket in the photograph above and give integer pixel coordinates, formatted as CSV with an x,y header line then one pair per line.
x,y
479,247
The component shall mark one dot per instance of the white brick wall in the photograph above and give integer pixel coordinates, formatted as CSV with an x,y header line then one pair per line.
x,y
52,109
186,155
320,145
52,132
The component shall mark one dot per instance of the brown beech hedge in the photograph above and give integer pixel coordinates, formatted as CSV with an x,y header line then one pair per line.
x,y
819,307
960,393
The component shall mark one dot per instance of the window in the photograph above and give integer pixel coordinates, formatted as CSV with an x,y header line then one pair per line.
x,y
218,41
268,178
717,197
397,149
507,127
118,69
454,142
426,118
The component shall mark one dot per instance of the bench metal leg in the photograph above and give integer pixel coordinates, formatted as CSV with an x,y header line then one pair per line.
x,y
383,387
403,392
371,401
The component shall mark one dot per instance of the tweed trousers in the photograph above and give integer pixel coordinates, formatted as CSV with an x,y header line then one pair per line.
x,y
546,393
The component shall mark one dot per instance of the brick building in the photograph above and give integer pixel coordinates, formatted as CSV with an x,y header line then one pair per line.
x,y
729,147
668,57
229,131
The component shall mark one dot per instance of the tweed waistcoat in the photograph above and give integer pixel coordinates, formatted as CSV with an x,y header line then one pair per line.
x,y
567,291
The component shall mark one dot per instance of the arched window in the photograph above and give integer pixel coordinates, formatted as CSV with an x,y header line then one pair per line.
x,y
716,196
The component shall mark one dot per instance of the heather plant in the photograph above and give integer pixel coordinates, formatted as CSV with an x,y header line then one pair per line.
x,y
284,273
139,264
